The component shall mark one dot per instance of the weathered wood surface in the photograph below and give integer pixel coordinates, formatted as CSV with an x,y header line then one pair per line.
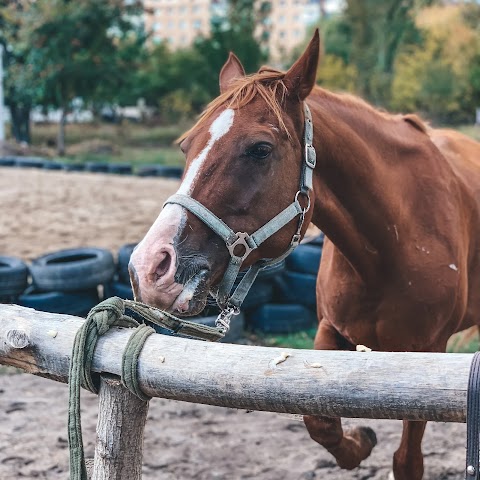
x,y
120,428
413,386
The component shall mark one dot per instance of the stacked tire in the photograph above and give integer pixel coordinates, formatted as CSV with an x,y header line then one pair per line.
x,y
294,305
120,285
68,281
281,300
13,279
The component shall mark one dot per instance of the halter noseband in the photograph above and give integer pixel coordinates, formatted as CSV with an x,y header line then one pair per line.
x,y
231,304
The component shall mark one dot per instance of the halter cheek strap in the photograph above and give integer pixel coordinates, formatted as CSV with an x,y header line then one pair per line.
x,y
231,303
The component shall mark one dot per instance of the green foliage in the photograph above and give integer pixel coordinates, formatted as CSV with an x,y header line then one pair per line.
x,y
334,74
337,35
81,49
440,76
378,30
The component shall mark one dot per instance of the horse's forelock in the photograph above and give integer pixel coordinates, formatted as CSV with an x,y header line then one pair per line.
x,y
268,83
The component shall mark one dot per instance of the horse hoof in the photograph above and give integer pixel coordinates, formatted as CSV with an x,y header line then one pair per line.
x,y
362,440
370,434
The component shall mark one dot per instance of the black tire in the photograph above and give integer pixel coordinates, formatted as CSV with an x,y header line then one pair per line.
x,y
265,274
294,287
7,161
276,318
97,167
74,167
70,303
147,171
120,168
30,162
168,171
260,293
73,269
13,277
124,254
118,289
305,259
52,165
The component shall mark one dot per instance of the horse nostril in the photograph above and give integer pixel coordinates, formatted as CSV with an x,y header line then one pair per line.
x,y
164,266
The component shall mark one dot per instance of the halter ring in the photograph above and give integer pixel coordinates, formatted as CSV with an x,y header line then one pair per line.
x,y
307,208
242,240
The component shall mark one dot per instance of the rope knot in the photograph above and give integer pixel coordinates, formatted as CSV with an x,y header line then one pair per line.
x,y
109,313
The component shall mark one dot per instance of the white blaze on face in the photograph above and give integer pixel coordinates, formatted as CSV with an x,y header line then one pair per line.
x,y
217,130
172,218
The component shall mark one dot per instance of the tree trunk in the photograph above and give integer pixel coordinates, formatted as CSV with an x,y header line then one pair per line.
x,y
20,122
61,132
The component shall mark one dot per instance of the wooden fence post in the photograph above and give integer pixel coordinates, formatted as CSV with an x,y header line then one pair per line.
x,y
120,429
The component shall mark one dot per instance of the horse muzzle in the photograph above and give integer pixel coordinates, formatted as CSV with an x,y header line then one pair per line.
x,y
161,284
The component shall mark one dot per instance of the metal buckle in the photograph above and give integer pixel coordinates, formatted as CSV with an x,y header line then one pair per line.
x,y
305,194
242,241
225,316
310,155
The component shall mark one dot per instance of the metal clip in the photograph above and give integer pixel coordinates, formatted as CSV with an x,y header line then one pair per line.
x,y
225,316
241,240
310,155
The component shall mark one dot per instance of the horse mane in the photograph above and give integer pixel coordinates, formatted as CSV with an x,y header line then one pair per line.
x,y
358,103
267,82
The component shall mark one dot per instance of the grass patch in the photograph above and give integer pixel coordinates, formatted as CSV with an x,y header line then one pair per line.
x,y
464,342
471,131
131,134
134,156
301,340
135,144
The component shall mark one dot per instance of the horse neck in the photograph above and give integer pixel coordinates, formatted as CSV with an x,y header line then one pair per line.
x,y
362,177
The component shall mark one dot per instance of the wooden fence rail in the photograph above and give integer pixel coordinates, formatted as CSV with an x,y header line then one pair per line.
x,y
416,386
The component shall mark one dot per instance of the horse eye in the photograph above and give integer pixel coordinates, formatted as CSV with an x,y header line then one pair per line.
x,y
260,151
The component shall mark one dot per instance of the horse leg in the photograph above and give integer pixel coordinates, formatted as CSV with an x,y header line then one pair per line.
x,y
408,459
350,447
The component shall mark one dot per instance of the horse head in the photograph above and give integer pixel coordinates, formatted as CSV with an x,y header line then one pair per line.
x,y
243,165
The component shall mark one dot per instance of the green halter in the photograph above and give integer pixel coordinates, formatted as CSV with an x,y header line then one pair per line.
x,y
231,303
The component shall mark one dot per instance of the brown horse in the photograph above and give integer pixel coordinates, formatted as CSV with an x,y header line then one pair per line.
x,y
398,201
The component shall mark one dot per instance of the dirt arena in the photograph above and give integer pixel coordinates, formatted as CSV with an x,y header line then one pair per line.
x,y
46,211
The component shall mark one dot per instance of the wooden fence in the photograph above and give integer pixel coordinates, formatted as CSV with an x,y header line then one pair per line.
x,y
415,386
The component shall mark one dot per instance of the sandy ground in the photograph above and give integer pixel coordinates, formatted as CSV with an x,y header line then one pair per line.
x,y
46,211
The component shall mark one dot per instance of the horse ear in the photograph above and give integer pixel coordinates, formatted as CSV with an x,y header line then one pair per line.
x,y
232,69
300,78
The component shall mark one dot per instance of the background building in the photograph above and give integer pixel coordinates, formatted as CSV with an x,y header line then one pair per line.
x,y
179,22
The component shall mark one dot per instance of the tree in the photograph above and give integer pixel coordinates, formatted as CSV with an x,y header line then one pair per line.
x,y
378,31
440,76
84,49
20,91
335,74
235,32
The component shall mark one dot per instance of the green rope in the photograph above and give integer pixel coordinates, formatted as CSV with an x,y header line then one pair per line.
x,y
106,314
130,360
